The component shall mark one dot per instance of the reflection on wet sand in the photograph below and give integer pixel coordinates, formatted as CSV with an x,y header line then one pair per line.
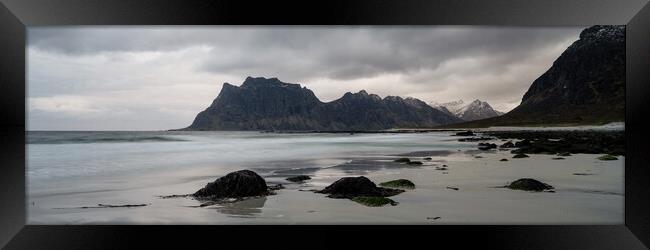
x,y
245,208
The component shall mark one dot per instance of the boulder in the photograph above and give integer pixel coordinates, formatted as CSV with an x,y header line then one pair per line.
x,y
465,133
508,144
373,201
298,178
351,187
607,158
402,160
242,183
529,184
399,183
504,159
414,163
520,156
486,146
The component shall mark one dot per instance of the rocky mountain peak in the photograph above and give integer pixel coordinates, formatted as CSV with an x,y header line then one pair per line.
x,y
256,82
603,32
474,110
270,104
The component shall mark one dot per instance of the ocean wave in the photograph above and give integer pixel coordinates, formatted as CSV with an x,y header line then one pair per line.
x,y
94,139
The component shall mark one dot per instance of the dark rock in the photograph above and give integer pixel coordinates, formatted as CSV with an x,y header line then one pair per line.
x,y
508,144
276,187
471,139
523,143
399,183
465,133
520,156
565,143
607,158
298,178
350,187
486,146
557,158
402,160
414,163
453,188
428,158
373,201
242,183
529,184
503,159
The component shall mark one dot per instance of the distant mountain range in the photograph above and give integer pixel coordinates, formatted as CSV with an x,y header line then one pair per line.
x,y
270,104
585,85
475,110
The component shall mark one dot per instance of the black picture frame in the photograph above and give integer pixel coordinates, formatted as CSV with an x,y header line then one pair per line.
x,y
16,15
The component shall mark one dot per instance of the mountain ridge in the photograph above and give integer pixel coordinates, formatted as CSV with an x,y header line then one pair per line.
x,y
474,110
584,85
269,104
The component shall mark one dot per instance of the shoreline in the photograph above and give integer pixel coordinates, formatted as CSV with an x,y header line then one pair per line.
x,y
450,184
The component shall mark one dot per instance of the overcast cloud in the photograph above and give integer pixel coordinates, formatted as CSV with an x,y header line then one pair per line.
x,y
142,78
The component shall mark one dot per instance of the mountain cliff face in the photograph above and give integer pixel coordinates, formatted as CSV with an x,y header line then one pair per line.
x,y
475,110
270,104
585,85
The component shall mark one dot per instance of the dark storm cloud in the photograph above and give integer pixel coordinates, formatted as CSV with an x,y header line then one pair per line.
x,y
97,77
304,53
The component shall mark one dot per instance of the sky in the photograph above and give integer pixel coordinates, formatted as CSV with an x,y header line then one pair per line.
x,y
160,77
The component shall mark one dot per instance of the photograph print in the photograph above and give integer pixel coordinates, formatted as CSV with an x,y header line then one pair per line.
x,y
325,125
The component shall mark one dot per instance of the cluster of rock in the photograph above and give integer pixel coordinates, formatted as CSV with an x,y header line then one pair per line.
x,y
245,183
560,142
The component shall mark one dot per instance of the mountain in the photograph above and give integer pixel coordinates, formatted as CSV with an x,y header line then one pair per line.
x,y
585,85
475,110
270,104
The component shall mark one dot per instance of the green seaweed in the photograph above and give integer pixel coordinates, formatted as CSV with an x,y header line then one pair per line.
x,y
607,158
399,183
372,201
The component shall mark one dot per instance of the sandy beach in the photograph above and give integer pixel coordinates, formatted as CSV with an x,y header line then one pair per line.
x,y
470,191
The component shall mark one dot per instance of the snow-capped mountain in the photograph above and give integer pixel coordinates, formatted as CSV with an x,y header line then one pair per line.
x,y
475,110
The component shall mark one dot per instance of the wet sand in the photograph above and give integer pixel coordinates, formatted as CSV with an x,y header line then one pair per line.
x,y
594,196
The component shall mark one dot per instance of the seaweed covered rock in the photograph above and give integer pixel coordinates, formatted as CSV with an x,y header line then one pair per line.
x,y
529,184
607,158
399,183
298,178
351,187
242,183
372,201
